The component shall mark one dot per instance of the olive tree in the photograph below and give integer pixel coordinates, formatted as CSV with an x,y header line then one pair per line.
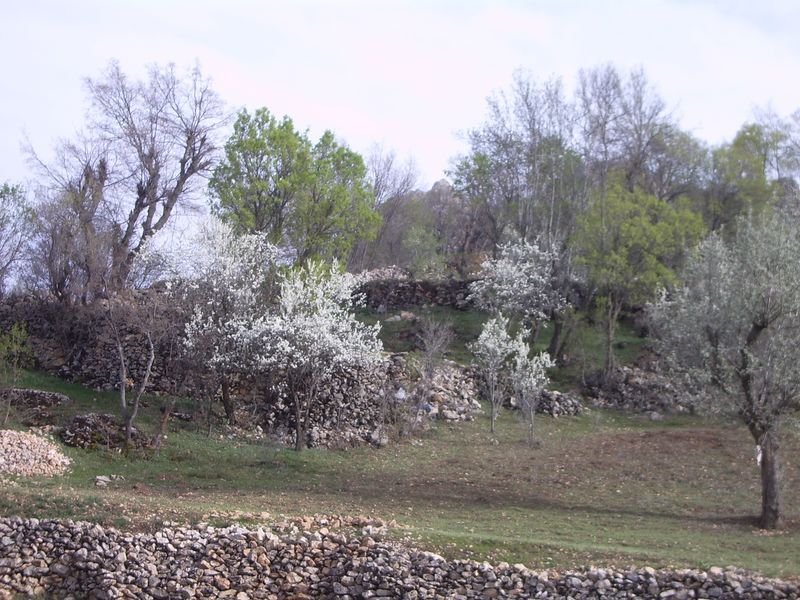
x,y
733,328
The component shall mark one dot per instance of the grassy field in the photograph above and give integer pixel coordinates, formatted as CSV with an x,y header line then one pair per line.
x,y
604,488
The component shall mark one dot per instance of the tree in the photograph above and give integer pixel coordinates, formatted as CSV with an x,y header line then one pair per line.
x,y
732,327
529,377
265,168
630,244
312,333
390,182
520,282
72,242
147,144
137,324
14,221
15,352
492,350
314,198
741,180
222,279
336,208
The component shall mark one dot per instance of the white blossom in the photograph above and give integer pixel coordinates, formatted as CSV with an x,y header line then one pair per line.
x,y
529,378
312,333
519,282
492,351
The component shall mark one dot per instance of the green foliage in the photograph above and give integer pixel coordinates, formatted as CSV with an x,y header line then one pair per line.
x,y
423,247
336,207
15,353
630,243
741,183
15,218
314,197
265,167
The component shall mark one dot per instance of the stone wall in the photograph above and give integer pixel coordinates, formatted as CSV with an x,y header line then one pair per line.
x,y
76,344
389,294
47,558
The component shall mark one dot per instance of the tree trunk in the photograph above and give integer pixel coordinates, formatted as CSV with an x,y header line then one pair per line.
x,y
771,515
162,427
555,339
492,393
299,433
612,314
227,403
531,424
123,382
134,409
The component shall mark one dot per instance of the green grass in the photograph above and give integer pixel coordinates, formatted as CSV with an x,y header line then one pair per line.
x,y
605,488
400,336
585,352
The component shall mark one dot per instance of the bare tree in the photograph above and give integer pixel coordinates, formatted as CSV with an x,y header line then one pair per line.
x,y
391,182
137,323
147,145
14,221
434,338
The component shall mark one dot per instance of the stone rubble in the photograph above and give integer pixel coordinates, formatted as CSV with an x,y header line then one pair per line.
x,y
93,430
559,404
390,294
32,406
359,407
68,559
30,455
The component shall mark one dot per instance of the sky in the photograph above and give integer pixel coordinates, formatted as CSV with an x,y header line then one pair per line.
x,y
411,76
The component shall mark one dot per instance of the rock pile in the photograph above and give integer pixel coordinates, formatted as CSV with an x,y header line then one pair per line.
x,y
453,393
559,404
551,402
94,430
86,560
33,405
637,390
29,455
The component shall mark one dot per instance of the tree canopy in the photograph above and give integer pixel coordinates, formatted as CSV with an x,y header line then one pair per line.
x,y
315,198
733,328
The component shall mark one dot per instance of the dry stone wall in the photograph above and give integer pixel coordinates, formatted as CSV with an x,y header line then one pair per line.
x,y
390,294
66,559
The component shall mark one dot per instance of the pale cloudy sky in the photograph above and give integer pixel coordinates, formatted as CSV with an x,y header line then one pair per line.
x,y
410,75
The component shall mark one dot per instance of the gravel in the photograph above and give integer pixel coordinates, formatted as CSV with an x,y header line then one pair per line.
x,y
30,455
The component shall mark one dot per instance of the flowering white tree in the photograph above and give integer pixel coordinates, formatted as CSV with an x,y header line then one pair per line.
x,y
519,282
733,328
492,350
529,377
312,334
226,281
